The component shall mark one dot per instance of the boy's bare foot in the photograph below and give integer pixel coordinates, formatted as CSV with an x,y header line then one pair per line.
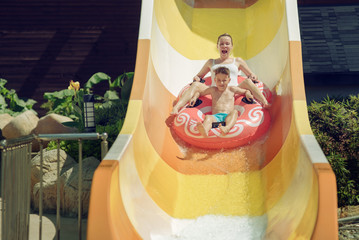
x,y
224,130
202,130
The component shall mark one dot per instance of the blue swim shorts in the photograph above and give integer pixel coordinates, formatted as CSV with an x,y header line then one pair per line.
x,y
220,117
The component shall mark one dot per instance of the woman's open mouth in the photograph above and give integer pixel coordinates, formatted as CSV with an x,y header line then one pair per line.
x,y
224,51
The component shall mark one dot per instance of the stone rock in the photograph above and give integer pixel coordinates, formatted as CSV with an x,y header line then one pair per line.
x,y
69,177
49,177
5,119
51,124
49,189
21,125
89,166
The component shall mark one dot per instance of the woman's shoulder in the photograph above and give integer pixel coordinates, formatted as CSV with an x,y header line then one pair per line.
x,y
210,61
238,59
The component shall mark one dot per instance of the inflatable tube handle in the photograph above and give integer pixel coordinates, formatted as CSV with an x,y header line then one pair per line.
x,y
245,100
216,124
198,102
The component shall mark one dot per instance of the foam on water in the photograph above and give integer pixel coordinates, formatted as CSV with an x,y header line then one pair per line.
x,y
214,227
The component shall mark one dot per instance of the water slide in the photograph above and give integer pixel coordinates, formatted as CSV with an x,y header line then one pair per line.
x,y
152,186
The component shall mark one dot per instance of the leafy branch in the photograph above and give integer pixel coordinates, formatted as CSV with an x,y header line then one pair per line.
x,y
10,102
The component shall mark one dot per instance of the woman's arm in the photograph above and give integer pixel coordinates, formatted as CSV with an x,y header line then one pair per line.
x,y
205,69
245,68
238,90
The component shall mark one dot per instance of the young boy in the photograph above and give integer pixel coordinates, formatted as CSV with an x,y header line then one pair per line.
x,y
222,102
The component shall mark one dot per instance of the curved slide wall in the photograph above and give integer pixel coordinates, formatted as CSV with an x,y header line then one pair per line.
x,y
150,186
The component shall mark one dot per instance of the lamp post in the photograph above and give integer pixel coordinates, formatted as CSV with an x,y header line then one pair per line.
x,y
89,113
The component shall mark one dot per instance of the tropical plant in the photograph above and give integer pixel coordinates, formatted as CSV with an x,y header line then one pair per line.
x,y
61,102
10,102
122,82
110,109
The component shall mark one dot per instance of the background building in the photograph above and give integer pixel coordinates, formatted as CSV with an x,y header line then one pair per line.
x,y
45,44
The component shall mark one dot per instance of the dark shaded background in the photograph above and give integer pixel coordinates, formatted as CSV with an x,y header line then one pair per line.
x,y
45,44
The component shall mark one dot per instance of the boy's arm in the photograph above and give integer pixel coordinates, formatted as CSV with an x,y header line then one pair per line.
x,y
241,91
198,94
248,95
194,98
207,91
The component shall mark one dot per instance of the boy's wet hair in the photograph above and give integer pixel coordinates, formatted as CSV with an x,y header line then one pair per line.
x,y
224,35
223,70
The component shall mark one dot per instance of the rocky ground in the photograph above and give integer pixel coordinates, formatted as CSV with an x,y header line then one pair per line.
x,y
348,229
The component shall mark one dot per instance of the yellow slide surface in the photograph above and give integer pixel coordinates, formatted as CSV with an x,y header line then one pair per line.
x,y
152,186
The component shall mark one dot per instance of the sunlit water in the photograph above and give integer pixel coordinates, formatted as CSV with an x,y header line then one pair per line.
x,y
218,227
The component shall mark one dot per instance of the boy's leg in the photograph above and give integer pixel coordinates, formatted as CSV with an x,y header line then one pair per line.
x,y
187,95
206,125
249,85
230,120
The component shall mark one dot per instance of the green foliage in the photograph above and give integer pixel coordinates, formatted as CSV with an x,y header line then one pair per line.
x,y
109,118
110,110
122,82
67,103
335,123
96,79
89,148
10,102
59,102
62,102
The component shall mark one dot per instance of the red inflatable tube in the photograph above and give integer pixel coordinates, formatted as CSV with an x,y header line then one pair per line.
x,y
252,123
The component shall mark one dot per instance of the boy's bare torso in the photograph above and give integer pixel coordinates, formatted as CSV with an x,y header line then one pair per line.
x,y
222,102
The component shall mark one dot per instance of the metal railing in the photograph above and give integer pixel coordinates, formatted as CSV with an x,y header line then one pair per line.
x,y
16,180
15,187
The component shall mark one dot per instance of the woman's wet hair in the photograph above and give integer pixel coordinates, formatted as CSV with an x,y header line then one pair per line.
x,y
225,35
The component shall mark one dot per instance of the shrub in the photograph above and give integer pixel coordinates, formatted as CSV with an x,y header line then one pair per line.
x,y
335,125
10,103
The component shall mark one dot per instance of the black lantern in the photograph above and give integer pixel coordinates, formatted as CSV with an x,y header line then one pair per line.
x,y
89,113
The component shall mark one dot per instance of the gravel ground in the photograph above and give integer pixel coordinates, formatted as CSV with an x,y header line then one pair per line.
x,y
348,229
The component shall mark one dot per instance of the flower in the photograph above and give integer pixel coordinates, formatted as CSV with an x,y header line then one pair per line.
x,y
74,85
